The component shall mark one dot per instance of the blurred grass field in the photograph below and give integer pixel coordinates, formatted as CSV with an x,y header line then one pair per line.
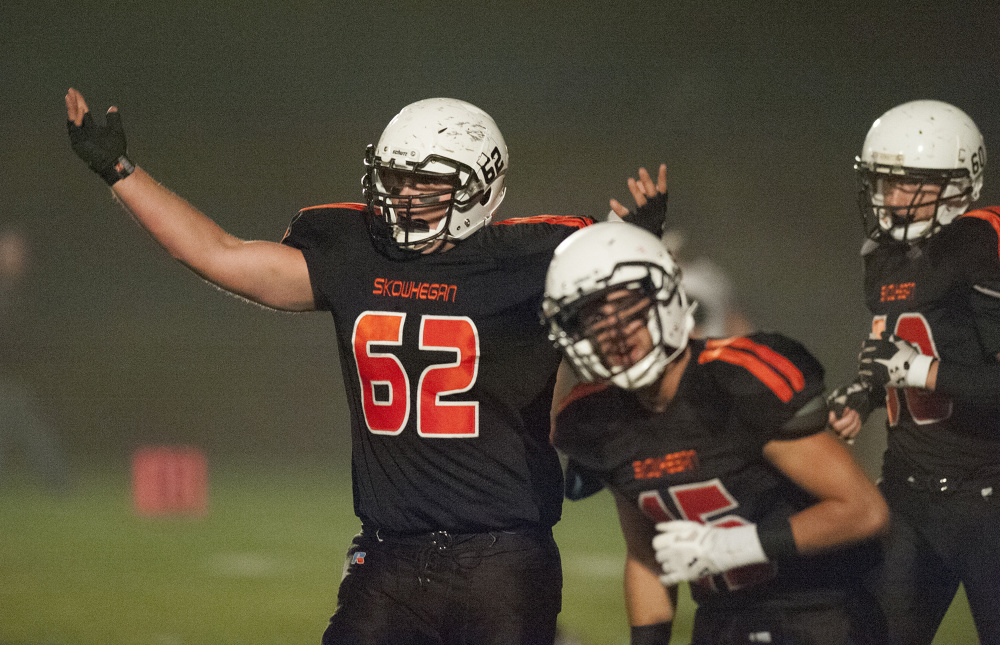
x,y
262,567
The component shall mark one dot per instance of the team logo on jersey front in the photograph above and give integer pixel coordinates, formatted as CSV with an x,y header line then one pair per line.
x,y
672,464
894,292
358,557
414,290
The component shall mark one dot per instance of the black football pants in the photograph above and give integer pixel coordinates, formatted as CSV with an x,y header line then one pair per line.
x,y
937,540
497,588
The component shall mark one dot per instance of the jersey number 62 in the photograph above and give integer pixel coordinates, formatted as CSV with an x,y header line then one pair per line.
x,y
385,385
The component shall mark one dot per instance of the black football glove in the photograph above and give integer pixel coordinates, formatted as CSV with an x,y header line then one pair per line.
x,y
857,396
102,146
889,361
654,210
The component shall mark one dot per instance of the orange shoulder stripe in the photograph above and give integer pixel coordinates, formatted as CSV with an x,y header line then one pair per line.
x,y
565,220
351,205
771,368
786,367
991,215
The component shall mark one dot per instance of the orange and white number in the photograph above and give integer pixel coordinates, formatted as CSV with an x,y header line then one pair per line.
x,y
924,406
698,502
385,386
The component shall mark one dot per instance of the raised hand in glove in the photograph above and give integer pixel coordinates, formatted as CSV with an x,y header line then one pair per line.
x,y
101,146
889,361
688,550
650,198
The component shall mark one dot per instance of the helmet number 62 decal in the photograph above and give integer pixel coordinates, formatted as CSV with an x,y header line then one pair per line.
x,y
492,165
385,385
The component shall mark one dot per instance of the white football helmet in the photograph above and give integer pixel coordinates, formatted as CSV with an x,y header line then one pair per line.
x,y
436,141
924,144
611,259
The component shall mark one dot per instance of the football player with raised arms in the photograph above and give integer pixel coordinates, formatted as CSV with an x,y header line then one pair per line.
x,y
932,285
449,376
717,454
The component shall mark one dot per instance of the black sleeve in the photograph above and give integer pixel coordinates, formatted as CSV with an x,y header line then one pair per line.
x,y
778,385
981,382
974,242
979,254
333,239
519,242
304,234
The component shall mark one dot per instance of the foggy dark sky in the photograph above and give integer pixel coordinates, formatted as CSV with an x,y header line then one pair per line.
x,y
254,110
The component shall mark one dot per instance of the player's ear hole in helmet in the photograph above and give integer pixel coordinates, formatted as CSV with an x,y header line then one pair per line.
x,y
450,151
615,306
920,167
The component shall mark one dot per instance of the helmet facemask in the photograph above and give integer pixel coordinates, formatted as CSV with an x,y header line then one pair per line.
x,y
604,332
417,203
948,192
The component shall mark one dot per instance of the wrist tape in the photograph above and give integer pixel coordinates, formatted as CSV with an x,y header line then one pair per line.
x,y
121,169
920,366
776,538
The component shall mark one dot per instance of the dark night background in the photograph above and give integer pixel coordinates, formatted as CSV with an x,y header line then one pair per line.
x,y
253,110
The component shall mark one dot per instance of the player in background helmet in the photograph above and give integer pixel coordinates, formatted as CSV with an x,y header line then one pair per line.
x,y
932,357
920,167
716,452
449,376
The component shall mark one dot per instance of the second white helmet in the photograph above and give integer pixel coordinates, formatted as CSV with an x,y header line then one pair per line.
x,y
441,141
924,143
607,258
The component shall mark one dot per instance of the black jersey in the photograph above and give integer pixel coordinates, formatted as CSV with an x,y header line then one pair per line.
x,y
449,374
701,459
944,296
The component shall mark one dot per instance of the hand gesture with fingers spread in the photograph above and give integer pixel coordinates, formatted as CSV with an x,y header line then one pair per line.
x,y
646,193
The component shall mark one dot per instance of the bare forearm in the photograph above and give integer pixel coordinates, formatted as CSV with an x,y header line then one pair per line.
x,y
184,231
264,272
647,601
849,507
832,523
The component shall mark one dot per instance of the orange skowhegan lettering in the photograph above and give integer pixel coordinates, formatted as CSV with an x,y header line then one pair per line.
x,y
893,292
675,462
414,290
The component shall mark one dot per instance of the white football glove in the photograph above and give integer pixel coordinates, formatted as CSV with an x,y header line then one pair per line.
x,y
689,550
889,361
